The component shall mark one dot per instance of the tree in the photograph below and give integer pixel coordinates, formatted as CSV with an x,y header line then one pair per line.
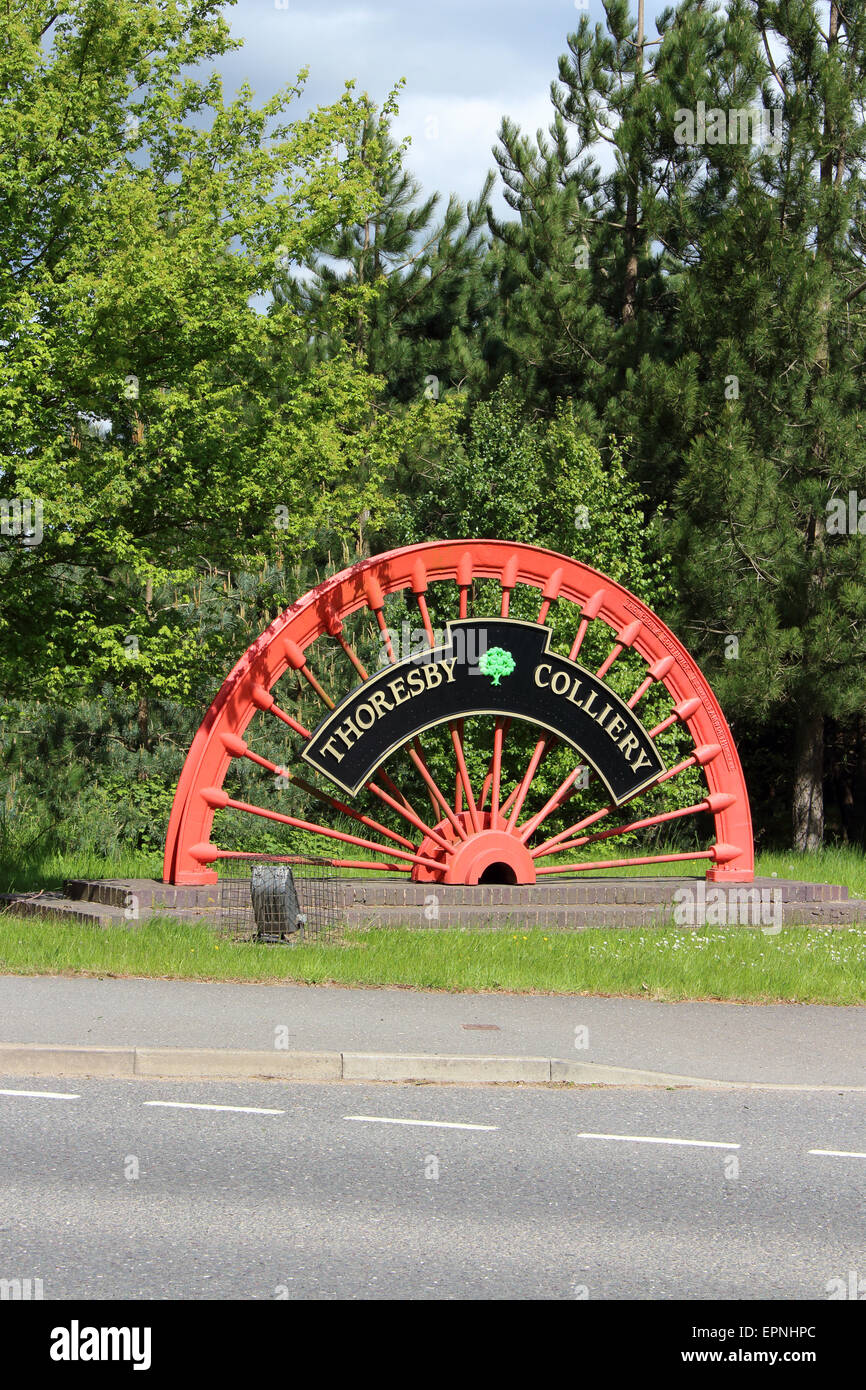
x,y
144,403
542,482
547,331
775,313
584,273
610,204
404,288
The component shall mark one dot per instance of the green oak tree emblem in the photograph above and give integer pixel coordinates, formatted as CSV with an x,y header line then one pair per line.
x,y
496,662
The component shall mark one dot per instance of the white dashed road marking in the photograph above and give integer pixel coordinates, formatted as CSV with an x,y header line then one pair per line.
x,y
649,1139
836,1153
42,1095
430,1124
189,1105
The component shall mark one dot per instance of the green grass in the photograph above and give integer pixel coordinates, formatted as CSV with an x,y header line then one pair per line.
x,y
51,870
800,964
845,865
30,872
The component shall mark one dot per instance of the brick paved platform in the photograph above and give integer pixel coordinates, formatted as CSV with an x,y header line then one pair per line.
x,y
572,904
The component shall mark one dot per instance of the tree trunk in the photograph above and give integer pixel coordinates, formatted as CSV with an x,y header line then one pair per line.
x,y
808,801
831,169
808,807
143,721
143,705
859,780
629,296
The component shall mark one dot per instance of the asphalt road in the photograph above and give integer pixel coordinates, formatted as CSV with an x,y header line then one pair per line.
x,y
310,1203
791,1044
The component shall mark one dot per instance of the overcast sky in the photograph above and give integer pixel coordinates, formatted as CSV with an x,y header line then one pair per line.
x,y
466,64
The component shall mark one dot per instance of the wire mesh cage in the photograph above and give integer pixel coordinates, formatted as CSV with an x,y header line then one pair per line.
x,y
283,900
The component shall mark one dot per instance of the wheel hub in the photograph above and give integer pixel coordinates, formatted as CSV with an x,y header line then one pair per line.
x,y
485,856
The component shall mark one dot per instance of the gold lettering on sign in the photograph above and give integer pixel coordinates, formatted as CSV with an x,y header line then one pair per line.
x,y
419,679
380,702
369,717
415,680
401,695
331,748
629,744
562,684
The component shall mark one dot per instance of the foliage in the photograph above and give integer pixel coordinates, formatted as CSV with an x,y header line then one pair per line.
x,y
240,350
499,472
143,399
406,290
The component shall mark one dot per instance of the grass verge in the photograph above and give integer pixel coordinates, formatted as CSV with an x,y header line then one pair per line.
x,y
799,965
844,864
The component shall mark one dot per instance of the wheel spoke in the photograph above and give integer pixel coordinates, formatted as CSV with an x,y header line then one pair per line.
x,y
507,582
220,800
701,756
657,672
518,796
463,578
580,867
550,594
437,796
393,798
216,854
496,774
624,641
561,795
463,783
643,824
298,662
335,629
239,749
410,815
419,592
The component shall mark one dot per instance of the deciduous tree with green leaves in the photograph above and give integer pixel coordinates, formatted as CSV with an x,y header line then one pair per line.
x,y
144,400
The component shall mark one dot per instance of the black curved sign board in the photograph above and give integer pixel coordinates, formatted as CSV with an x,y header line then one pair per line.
x,y
449,682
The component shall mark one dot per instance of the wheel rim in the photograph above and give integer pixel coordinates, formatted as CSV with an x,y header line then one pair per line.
x,y
501,826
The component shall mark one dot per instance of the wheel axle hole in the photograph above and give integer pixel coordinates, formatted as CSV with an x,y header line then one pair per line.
x,y
498,873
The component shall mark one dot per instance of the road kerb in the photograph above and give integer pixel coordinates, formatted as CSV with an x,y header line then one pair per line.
x,y
212,1063
596,1074
51,1059
386,1066
230,1064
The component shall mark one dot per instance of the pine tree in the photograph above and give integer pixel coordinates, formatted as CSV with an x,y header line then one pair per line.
x,y
720,324
775,313
405,289
610,205
585,274
548,332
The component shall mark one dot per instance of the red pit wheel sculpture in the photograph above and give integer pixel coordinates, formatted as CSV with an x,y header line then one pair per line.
x,y
478,827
